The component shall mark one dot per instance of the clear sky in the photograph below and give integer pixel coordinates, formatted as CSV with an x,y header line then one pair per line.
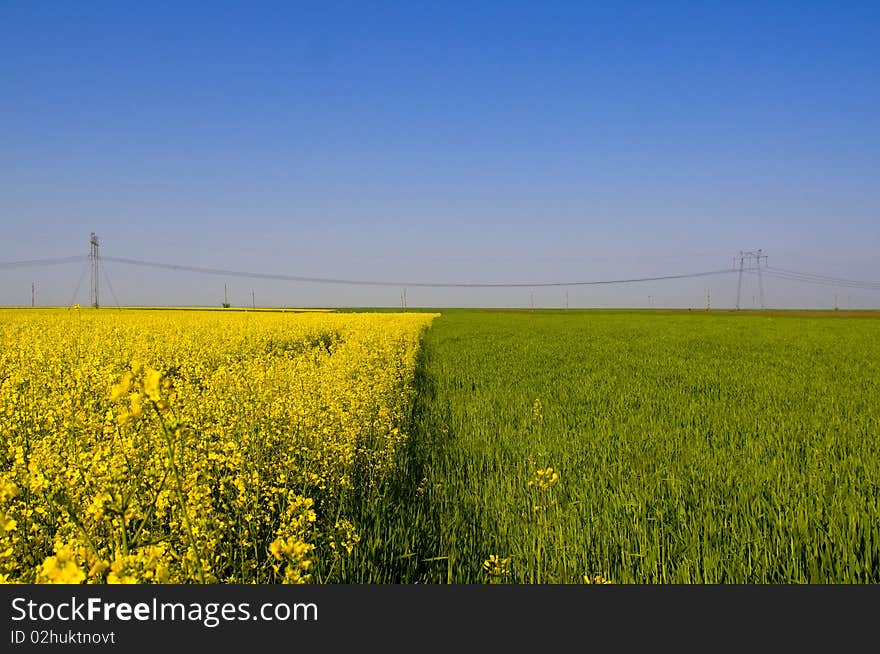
x,y
453,141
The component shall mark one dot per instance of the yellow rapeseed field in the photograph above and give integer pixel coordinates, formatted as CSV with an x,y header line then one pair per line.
x,y
172,446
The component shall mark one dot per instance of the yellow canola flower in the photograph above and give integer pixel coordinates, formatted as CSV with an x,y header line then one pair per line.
x,y
496,566
345,537
152,381
295,556
62,568
8,490
544,479
537,410
122,388
598,579
97,568
119,576
204,436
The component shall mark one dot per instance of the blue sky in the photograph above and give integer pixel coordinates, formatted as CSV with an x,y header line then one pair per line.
x,y
513,141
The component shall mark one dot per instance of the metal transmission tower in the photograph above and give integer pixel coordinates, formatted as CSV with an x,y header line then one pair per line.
x,y
756,256
94,261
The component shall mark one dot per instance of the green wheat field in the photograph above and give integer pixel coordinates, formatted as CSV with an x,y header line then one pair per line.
x,y
687,447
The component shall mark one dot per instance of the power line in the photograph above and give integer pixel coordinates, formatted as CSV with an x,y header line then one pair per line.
x,y
839,283
41,262
361,282
823,278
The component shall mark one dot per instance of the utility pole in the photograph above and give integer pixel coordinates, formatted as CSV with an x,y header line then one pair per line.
x,y
566,300
93,259
404,299
708,300
253,300
33,294
225,296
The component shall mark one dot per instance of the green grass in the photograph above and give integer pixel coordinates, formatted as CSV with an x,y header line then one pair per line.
x,y
691,448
